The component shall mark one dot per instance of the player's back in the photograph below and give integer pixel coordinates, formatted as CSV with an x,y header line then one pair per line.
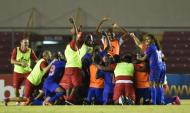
x,y
56,71
141,76
108,78
94,82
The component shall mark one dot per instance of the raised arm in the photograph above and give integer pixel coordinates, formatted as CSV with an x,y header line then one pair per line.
x,y
99,24
108,42
71,20
137,41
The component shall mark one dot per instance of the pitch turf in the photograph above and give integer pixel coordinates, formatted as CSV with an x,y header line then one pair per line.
x,y
184,108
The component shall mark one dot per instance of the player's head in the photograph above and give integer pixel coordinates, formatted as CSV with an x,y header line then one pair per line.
x,y
110,33
58,55
24,43
109,59
149,39
127,58
47,55
89,40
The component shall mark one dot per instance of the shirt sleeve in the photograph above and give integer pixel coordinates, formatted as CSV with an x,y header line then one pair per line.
x,y
149,51
43,65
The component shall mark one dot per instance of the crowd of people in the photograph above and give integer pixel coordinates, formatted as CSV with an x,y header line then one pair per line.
x,y
92,71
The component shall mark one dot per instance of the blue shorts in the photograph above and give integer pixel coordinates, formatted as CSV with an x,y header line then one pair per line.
x,y
49,88
97,93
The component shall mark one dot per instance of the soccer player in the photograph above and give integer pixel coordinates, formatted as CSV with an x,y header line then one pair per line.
x,y
155,64
74,52
34,79
142,84
96,85
114,48
124,72
51,86
21,58
108,81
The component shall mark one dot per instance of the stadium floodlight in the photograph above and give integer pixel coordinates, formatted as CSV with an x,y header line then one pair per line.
x,y
50,42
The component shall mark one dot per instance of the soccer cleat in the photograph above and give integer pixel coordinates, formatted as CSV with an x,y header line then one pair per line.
x,y
6,100
17,103
177,101
68,103
46,103
123,100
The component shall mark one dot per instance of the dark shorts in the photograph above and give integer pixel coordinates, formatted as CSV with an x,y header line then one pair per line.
x,y
143,93
72,78
18,79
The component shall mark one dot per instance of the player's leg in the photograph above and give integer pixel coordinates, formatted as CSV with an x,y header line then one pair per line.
x,y
153,78
91,94
59,92
28,90
17,81
76,80
99,96
160,89
118,92
130,94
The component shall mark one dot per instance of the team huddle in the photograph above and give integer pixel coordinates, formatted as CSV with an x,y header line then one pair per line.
x,y
92,71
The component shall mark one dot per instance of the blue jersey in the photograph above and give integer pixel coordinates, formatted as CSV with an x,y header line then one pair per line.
x,y
54,76
154,58
56,71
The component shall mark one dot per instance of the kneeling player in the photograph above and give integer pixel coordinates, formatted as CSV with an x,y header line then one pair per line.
x,y
51,84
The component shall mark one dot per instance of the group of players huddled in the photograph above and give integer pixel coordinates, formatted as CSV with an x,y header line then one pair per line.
x,y
92,71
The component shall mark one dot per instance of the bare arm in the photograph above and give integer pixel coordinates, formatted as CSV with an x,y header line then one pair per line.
x,y
137,41
142,58
99,24
71,20
108,43
104,67
46,69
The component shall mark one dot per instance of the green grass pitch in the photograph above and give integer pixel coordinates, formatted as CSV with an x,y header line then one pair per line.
x,y
184,108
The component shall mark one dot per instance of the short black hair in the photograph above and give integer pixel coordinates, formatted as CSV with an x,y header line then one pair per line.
x,y
127,58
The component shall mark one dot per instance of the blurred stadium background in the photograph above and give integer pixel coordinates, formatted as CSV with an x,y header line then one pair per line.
x,y
47,23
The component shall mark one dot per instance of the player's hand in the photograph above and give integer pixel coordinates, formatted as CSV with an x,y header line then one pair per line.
x,y
23,63
114,25
79,34
71,20
132,35
105,18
